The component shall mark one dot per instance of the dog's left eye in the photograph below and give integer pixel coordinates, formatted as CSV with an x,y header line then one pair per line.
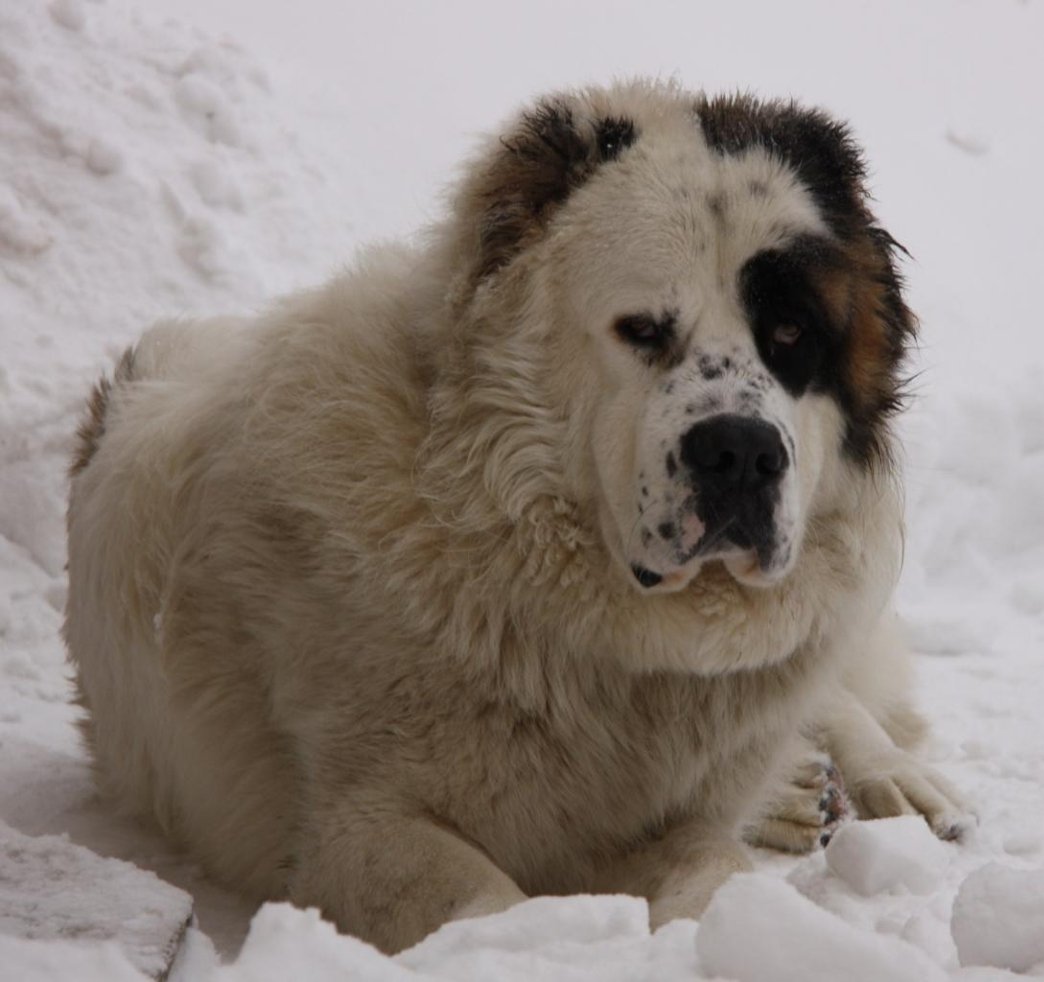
x,y
786,334
644,331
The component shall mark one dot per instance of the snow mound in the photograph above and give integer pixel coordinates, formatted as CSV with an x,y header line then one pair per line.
x,y
286,942
147,163
51,889
595,938
758,927
998,918
886,854
579,939
146,170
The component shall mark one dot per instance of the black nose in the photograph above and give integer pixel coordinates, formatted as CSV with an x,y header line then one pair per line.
x,y
734,453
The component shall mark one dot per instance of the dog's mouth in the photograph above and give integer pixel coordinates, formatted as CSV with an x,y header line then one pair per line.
x,y
752,557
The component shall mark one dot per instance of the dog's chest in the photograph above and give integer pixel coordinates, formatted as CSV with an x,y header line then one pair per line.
x,y
604,769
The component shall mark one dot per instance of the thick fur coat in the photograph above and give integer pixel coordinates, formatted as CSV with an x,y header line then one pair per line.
x,y
405,599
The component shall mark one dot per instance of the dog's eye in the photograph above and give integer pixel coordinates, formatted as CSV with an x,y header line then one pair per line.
x,y
644,331
787,334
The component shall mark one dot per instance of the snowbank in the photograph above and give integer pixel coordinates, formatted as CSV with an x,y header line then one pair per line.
x,y
147,168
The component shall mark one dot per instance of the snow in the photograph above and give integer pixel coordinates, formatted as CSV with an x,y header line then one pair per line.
x,y
998,918
887,854
52,889
26,960
151,167
758,928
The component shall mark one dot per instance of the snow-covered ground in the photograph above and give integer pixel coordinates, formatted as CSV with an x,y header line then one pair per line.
x,y
148,167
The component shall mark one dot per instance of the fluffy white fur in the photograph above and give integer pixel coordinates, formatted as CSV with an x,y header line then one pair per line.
x,y
350,598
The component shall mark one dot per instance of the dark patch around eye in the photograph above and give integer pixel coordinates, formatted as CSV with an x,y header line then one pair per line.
x,y
654,337
777,288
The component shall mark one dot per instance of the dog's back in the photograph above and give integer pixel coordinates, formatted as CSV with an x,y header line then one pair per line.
x,y
188,548
206,769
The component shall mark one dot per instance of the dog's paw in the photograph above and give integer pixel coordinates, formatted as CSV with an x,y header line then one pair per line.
x,y
807,811
903,785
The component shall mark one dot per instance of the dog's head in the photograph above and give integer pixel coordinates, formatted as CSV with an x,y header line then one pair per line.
x,y
724,316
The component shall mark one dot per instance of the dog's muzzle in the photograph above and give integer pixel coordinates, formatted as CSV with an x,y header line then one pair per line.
x,y
736,465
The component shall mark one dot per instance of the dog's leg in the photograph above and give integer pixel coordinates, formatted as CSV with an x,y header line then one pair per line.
x,y
391,879
677,873
884,780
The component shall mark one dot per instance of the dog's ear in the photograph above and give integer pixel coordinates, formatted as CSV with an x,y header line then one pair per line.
x,y
550,151
817,147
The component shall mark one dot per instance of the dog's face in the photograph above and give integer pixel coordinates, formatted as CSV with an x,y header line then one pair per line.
x,y
735,310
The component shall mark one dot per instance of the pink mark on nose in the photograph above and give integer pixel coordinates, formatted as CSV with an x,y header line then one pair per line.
x,y
692,530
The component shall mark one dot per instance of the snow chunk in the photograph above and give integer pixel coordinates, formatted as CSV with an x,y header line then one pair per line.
x,y
883,854
102,157
758,927
69,14
205,104
52,889
216,186
970,143
998,918
17,229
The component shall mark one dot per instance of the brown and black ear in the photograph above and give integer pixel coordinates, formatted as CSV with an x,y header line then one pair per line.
x,y
550,152
817,147
879,330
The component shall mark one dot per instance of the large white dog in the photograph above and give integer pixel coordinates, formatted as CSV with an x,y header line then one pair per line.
x,y
537,559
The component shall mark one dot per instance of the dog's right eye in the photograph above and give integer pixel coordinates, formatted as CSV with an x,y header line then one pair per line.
x,y
645,331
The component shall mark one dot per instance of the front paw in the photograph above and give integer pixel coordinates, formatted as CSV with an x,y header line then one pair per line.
x,y
807,811
903,785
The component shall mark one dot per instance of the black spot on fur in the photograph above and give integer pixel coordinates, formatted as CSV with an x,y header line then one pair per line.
x,y
672,465
709,368
666,530
92,428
